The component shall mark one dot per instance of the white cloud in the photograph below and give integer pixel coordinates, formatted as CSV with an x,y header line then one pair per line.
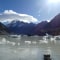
x,y
10,15
9,12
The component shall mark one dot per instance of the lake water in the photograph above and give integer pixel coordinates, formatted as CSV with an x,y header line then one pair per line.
x,y
28,48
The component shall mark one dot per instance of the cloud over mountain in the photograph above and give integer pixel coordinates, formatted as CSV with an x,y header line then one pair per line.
x,y
9,15
30,29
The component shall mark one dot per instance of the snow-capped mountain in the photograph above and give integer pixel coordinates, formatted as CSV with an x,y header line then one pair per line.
x,y
19,27
24,28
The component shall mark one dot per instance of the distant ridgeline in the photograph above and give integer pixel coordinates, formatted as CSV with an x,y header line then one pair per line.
x,y
30,29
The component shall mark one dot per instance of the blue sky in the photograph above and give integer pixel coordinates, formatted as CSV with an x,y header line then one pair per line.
x,y
40,9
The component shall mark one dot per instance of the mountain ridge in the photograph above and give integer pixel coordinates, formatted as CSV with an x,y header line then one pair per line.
x,y
24,28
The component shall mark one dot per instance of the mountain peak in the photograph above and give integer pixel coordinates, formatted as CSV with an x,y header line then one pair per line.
x,y
57,17
55,22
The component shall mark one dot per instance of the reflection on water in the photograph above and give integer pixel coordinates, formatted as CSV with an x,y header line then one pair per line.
x,y
28,48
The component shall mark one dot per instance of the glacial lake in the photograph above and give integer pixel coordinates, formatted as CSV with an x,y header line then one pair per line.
x,y
28,48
